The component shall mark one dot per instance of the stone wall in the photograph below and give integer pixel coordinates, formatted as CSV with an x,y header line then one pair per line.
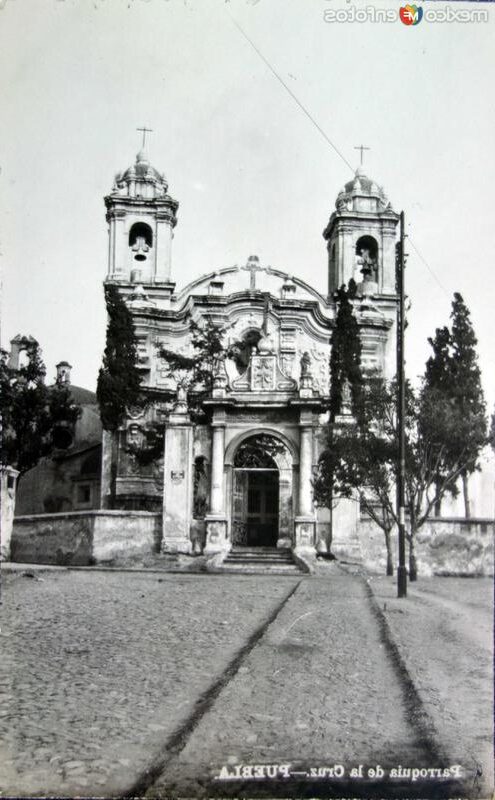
x,y
82,538
128,533
444,546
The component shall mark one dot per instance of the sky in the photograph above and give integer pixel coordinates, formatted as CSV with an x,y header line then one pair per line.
x,y
253,174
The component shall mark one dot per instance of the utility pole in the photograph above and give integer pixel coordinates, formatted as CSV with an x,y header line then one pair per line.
x,y
401,416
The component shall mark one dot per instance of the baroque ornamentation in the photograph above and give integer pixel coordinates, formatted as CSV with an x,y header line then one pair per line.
x,y
263,372
321,368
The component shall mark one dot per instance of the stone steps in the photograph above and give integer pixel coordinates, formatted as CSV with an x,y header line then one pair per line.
x,y
265,560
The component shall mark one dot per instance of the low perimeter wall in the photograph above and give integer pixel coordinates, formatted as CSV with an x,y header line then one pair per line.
x,y
444,546
80,538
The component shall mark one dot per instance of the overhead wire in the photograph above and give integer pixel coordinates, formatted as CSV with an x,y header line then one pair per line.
x,y
289,90
322,132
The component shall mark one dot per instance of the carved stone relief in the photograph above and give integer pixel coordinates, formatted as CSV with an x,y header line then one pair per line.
x,y
288,339
321,360
262,373
287,363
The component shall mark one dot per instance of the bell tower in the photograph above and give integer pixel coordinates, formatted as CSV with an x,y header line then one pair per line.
x,y
361,236
141,218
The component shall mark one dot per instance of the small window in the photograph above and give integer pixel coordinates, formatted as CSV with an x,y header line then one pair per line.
x,y
84,494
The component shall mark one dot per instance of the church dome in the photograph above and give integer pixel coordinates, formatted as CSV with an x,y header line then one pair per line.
x,y
142,172
362,194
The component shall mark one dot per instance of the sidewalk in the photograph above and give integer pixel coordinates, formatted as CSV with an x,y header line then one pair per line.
x,y
444,632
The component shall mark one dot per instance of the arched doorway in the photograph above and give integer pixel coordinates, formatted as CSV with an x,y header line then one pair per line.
x,y
256,492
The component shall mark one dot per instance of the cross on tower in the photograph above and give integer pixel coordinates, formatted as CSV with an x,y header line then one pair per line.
x,y
144,131
253,266
362,147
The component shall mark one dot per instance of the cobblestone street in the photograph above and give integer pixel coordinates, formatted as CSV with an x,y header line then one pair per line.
x,y
99,668
121,682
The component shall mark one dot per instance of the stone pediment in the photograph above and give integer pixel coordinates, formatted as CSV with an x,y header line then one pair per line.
x,y
264,374
253,279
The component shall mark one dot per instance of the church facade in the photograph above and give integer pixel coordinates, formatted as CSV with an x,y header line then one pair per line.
x,y
243,475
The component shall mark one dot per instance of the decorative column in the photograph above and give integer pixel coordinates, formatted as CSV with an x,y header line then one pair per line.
x,y
305,499
305,521
217,469
178,479
216,519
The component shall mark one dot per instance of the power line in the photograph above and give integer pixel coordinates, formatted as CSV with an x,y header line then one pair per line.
x,y
320,129
430,270
296,99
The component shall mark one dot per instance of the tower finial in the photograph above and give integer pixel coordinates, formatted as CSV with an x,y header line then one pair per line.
x,y
362,147
144,130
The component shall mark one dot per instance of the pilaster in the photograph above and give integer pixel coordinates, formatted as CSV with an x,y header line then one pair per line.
x,y
164,234
178,481
305,521
216,519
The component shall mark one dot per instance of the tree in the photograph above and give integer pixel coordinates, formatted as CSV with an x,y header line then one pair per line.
x,y
437,374
118,386
360,459
35,417
345,372
492,432
193,373
345,357
352,464
365,458
453,372
468,392
196,372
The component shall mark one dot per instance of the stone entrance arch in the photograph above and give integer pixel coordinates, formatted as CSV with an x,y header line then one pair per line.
x,y
277,465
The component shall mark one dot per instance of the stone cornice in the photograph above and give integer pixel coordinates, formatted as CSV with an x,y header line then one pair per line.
x,y
342,219
276,400
164,207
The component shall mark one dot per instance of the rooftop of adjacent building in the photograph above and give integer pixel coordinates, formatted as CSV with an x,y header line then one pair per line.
x,y
82,396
